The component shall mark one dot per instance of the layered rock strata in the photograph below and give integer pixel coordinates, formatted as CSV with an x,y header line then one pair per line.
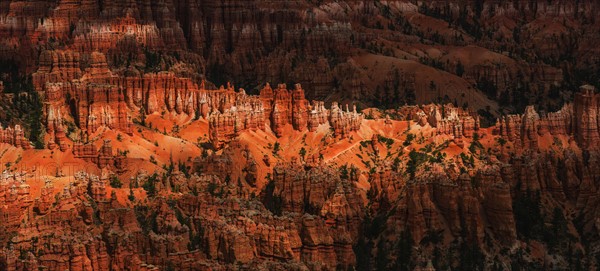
x,y
447,119
277,108
103,157
98,98
14,136
579,119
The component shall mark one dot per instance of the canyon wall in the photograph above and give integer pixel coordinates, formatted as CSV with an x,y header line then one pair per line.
x,y
579,120
96,97
319,44
277,108
522,195
14,136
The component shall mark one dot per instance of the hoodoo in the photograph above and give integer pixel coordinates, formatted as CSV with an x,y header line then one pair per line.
x,y
299,135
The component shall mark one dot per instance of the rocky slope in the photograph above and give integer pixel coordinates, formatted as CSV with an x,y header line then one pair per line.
x,y
430,187
126,148
387,53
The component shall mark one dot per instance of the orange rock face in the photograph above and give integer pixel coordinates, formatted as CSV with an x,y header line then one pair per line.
x,y
447,119
55,67
393,192
335,205
241,113
586,110
344,122
101,99
14,136
93,102
278,108
577,119
119,34
226,230
104,157
309,213
87,251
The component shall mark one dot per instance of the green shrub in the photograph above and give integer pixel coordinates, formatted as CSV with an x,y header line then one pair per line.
x,y
115,182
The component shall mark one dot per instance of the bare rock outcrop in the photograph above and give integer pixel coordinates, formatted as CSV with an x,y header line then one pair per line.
x,y
14,136
578,120
277,108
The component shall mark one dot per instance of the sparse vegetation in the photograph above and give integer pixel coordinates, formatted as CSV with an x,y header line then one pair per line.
x,y
409,138
215,190
131,196
115,182
415,160
463,200
276,148
387,141
150,185
302,153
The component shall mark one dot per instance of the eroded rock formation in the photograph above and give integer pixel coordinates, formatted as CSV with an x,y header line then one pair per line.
x,y
578,119
277,108
14,136
524,194
103,157
98,98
